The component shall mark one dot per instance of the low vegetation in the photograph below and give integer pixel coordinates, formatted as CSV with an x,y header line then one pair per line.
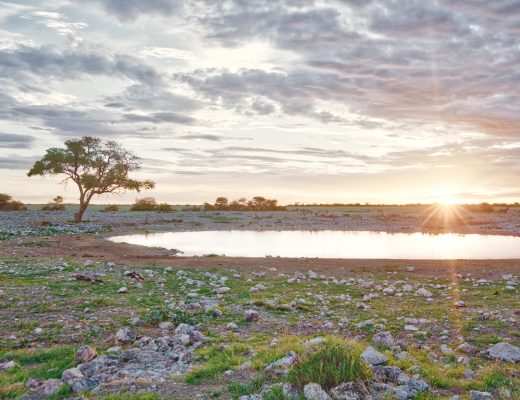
x,y
258,203
329,365
8,204
149,204
55,205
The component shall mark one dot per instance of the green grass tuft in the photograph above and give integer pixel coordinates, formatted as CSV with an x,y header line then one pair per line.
x,y
329,365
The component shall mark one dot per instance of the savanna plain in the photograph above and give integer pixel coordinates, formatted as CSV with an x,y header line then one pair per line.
x,y
82,317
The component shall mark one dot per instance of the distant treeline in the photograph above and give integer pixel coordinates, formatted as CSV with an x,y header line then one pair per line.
x,y
258,203
470,207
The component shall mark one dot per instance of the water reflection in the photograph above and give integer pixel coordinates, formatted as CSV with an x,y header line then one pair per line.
x,y
331,244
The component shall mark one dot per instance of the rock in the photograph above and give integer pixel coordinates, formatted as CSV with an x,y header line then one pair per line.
x,y
76,380
221,290
184,329
38,331
6,366
384,339
217,313
386,374
467,348
313,391
42,390
229,373
282,365
468,374
135,321
125,335
423,293
123,290
348,391
476,395
459,304
113,351
166,326
251,316
505,352
373,357
315,341
85,354
232,326
411,328
446,350
418,385
407,288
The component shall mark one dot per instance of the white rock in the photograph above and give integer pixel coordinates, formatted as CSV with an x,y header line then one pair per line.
x,y
313,391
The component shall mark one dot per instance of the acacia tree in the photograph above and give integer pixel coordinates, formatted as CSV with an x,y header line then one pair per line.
x,y
96,166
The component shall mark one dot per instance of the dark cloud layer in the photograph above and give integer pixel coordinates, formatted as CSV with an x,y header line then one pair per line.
x,y
14,141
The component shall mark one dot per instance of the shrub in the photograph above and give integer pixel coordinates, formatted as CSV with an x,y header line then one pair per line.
x,y
55,205
329,365
7,204
111,208
164,207
144,204
258,203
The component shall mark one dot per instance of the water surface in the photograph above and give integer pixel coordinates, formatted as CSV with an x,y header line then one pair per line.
x,y
331,244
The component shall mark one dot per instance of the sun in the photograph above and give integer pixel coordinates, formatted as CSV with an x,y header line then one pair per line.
x,y
445,197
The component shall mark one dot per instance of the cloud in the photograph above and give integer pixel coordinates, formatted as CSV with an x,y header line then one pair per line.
x,y
14,141
206,136
16,162
129,10
159,118
73,63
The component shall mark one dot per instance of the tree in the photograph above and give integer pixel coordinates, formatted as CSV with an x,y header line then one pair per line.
x,y
95,166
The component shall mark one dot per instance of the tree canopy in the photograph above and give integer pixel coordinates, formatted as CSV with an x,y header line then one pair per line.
x,y
96,166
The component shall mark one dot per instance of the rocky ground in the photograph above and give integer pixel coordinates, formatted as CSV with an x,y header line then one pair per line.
x,y
80,318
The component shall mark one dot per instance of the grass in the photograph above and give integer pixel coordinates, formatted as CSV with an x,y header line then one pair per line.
x,y
329,365
33,364
237,389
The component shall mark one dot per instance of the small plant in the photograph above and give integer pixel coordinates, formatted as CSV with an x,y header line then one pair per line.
x,y
329,365
111,208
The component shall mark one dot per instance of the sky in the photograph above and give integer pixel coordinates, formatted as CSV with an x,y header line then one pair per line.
x,y
391,101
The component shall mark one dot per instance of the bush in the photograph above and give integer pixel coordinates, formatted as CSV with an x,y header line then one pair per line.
x,y
164,207
144,204
56,205
258,203
7,204
329,365
111,208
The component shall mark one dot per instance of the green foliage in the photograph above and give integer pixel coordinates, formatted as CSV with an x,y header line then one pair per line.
x,y
237,389
218,361
97,167
276,393
330,364
7,204
34,364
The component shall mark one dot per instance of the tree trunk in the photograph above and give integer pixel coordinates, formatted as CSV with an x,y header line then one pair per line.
x,y
79,215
